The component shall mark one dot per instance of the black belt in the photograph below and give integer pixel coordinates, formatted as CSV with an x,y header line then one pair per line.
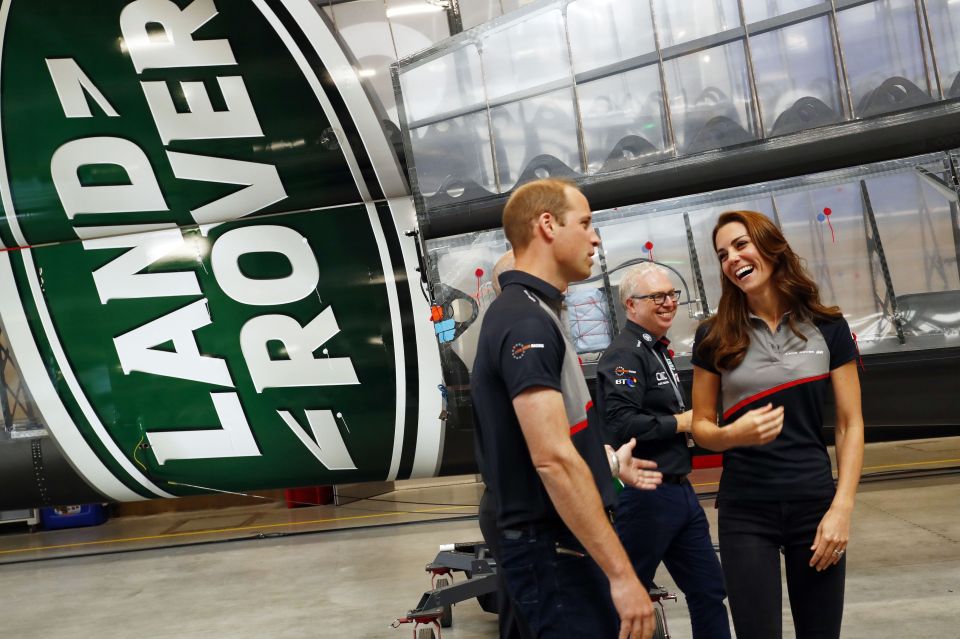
x,y
674,478
534,528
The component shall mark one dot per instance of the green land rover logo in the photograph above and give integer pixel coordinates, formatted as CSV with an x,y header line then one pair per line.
x,y
207,298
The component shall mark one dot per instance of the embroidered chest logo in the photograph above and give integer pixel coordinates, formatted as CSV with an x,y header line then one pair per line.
x,y
519,350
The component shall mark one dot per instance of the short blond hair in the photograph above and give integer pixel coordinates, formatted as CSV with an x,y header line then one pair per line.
x,y
528,202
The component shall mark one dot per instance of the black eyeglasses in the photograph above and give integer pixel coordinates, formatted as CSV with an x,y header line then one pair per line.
x,y
659,298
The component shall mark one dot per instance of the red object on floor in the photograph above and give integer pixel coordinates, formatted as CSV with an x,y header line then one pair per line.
x,y
707,461
308,496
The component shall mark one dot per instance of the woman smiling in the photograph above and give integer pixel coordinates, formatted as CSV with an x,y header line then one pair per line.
x,y
769,356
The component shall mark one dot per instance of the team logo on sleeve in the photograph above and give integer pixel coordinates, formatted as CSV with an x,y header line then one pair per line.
x,y
519,350
626,377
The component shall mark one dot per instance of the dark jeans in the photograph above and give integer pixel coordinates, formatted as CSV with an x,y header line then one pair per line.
x,y
555,586
752,536
669,525
511,626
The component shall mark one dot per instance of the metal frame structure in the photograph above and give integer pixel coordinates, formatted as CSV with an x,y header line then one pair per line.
x,y
830,140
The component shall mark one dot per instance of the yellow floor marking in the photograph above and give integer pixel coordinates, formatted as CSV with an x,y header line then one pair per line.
x,y
867,468
224,530
349,518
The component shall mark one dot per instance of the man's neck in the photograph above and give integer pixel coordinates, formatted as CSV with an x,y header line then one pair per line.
x,y
539,263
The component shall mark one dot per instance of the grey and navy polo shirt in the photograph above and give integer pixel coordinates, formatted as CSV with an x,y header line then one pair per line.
x,y
522,345
785,370
638,395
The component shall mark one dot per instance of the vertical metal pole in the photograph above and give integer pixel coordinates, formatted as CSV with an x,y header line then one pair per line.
x,y
923,51
751,77
454,19
954,173
4,400
924,17
577,116
776,212
671,139
695,265
875,247
841,63
607,287
486,106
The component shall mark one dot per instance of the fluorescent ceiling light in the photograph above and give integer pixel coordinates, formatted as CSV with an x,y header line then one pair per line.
x,y
412,10
366,73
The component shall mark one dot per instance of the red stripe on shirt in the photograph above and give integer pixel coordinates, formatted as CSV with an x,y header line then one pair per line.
x,y
771,391
576,428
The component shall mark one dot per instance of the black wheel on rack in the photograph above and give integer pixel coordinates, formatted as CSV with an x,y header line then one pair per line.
x,y
446,619
426,633
660,631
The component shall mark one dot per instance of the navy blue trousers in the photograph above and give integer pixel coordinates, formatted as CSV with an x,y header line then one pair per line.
x,y
511,626
752,536
558,590
668,525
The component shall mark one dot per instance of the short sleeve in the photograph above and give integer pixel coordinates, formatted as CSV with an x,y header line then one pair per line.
x,y
701,356
531,354
839,339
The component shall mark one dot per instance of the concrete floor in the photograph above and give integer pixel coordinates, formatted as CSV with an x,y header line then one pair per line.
x,y
903,571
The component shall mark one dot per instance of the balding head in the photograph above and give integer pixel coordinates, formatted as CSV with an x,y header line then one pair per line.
x,y
505,263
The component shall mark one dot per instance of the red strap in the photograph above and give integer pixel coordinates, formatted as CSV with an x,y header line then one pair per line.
x,y
856,345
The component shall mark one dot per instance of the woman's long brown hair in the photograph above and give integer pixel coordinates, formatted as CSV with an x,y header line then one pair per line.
x,y
728,336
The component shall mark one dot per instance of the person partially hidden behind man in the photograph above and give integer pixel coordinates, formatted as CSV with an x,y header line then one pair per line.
x,y
538,448
639,396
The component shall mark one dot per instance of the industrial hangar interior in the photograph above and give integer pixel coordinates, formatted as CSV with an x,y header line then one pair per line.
x,y
248,248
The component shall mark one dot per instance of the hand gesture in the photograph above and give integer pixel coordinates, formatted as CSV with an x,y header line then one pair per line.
x,y
638,473
634,607
833,533
759,426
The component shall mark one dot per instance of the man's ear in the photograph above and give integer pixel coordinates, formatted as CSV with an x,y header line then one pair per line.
x,y
545,225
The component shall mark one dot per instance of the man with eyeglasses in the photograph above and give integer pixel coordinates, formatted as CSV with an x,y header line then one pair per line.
x,y
639,396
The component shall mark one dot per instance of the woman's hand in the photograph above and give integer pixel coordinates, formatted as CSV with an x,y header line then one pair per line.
x,y
833,533
759,426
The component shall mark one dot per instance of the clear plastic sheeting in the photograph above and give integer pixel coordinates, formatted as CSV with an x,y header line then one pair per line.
x,y
944,21
881,241
442,175
756,10
588,317
604,32
464,267
535,138
796,76
21,418
526,54
455,83
623,120
632,83
883,56
710,99
679,22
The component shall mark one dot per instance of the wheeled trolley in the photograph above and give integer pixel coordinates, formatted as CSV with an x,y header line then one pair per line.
x,y
435,609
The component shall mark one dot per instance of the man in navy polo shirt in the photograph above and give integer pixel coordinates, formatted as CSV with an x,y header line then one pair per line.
x,y
539,448
639,396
